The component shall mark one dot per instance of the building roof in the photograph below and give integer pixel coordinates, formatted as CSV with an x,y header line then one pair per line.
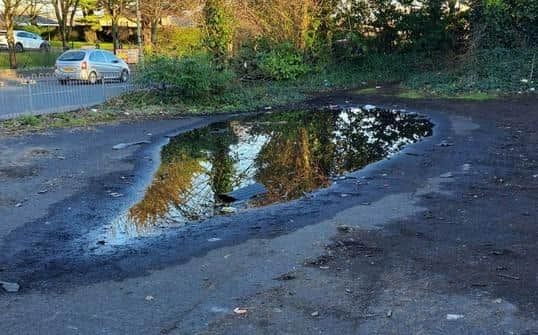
x,y
25,20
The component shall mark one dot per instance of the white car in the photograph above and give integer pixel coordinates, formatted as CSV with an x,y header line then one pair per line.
x,y
24,40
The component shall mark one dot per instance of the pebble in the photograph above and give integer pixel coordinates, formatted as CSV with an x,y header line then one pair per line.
x,y
240,311
452,317
228,210
10,287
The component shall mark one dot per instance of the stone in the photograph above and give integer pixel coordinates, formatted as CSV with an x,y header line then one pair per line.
x,y
10,287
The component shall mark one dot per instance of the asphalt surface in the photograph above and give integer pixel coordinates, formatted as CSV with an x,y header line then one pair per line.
x,y
440,239
46,95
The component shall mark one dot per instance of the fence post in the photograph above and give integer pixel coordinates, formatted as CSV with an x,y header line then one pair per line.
x,y
29,84
103,87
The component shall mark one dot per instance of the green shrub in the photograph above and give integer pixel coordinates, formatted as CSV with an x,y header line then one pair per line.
x,y
29,120
194,77
282,63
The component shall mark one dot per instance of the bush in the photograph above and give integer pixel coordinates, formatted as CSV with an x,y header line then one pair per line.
x,y
194,77
282,63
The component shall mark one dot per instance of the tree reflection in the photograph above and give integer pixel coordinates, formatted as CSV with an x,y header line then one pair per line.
x,y
289,153
171,186
287,167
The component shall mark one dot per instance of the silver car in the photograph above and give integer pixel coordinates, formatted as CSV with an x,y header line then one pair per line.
x,y
90,65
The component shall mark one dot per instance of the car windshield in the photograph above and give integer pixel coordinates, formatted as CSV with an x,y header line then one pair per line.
x,y
72,56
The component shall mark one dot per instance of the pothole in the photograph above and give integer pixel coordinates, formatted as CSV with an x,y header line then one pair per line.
x,y
258,160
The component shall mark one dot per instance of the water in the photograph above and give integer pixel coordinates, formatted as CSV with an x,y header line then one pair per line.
x,y
272,157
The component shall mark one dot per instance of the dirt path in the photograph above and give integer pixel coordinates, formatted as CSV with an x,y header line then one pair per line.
x,y
437,240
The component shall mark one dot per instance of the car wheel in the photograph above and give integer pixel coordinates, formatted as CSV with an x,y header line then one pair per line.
x,y
44,47
19,47
92,78
124,76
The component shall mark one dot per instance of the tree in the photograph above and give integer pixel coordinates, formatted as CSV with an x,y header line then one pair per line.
x,y
12,8
34,9
282,21
65,14
90,19
218,29
152,12
504,23
115,10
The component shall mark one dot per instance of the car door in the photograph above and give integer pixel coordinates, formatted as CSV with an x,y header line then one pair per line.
x,y
22,38
114,64
28,40
36,41
98,63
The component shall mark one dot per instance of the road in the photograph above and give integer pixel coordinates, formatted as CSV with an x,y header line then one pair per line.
x,y
46,95
424,251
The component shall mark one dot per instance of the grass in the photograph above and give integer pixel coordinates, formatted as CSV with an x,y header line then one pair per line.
x,y
417,78
411,94
30,59
81,44
476,96
81,118
367,90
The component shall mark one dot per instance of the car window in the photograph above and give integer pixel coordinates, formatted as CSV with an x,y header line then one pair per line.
x,y
97,56
72,56
110,57
21,34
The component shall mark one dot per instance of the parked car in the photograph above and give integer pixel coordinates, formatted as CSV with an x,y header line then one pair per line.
x,y
25,40
90,65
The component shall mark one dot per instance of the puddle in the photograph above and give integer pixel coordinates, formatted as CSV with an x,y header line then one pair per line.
x,y
263,159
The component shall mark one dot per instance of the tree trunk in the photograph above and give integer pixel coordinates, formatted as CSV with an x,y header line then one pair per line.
x,y
11,42
114,26
65,38
154,28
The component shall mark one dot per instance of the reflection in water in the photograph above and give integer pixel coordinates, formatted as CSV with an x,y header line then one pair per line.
x,y
288,153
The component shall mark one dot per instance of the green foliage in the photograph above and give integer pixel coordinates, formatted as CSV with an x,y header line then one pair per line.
x,y
284,62
33,29
194,77
218,29
29,120
178,41
505,23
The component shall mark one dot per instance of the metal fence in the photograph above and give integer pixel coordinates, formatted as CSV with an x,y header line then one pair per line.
x,y
44,93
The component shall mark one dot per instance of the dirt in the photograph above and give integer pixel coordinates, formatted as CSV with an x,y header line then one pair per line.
x,y
440,239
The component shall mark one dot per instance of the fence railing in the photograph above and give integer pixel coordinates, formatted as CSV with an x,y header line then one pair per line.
x,y
44,93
